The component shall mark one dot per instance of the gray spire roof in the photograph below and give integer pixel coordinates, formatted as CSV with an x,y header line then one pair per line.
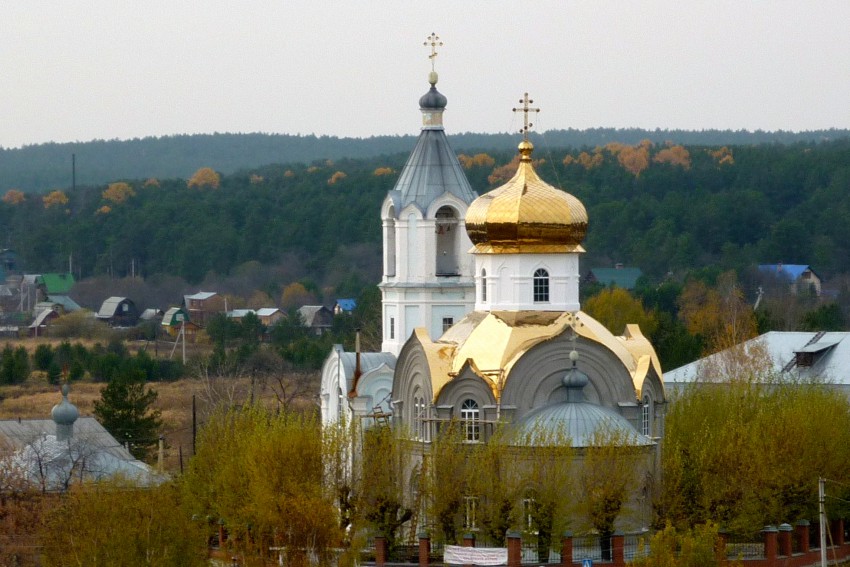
x,y
432,168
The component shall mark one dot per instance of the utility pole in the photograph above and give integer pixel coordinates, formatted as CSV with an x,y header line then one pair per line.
x,y
822,506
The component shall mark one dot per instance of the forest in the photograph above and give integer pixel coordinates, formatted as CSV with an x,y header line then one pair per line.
x,y
41,168
678,213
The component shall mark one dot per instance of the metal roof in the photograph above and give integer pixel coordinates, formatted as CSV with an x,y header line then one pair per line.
x,y
66,302
580,422
431,170
369,361
57,283
92,452
833,366
347,304
267,311
201,295
109,307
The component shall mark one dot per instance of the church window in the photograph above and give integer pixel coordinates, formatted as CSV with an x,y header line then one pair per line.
x,y
541,286
390,243
483,286
470,516
470,416
646,416
392,327
446,229
447,323
528,506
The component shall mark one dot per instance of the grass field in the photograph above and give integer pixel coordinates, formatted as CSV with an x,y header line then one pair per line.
x,y
35,398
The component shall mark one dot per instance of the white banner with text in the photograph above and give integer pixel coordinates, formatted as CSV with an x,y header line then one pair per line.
x,y
457,555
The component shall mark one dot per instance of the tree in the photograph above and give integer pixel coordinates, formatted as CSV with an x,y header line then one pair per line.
x,y
296,295
125,409
609,472
118,192
14,197
149,526
381,484
719,315
263,475
205,177
616,307
55,199
720,465
674,155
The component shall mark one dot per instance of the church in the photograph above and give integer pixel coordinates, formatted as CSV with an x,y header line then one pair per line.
x,y
482,322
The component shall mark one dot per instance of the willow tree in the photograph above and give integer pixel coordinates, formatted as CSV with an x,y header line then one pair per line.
x,y
380,485
611,472
445,471
748,450
117,523
262,475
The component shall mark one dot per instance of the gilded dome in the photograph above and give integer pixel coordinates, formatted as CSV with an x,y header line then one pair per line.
x,y
526,215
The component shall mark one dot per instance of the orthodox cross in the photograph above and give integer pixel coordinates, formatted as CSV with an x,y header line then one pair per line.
x,y
525,110
434,41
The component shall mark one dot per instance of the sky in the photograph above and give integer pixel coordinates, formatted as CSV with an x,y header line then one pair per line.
x,y
116,69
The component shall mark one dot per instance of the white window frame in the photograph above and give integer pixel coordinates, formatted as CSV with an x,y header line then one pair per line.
x,y
540,288
470,414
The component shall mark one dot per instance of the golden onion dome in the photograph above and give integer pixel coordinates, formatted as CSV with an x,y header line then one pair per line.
x,y
526,215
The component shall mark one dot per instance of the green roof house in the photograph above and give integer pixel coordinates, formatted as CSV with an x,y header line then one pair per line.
x,y
619,276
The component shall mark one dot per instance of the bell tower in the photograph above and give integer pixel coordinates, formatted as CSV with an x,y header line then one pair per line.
x,y
427,280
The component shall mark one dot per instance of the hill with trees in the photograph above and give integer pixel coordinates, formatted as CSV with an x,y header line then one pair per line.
x,y
43,167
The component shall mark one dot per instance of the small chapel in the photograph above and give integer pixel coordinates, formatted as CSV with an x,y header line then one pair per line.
x,y
482,322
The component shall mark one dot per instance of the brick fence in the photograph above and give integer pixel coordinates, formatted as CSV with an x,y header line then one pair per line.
x,y
775,550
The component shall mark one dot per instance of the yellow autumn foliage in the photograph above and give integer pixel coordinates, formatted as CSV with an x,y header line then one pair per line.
x,y
289,173
634,159
383,171
478,160
14,197
152,182
256,179
337,176
118,192
54,198
723,156
674,155
205,177
104,210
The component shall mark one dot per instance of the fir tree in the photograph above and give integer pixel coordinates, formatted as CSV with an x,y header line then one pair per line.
x,y
125,409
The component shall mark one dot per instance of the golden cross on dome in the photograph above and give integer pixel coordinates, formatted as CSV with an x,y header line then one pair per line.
x,y
525,110
434,41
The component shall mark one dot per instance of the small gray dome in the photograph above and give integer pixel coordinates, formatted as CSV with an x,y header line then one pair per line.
x,y
433,100
65,413
580,422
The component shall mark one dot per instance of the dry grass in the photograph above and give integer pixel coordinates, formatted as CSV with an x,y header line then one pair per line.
x,y
35,398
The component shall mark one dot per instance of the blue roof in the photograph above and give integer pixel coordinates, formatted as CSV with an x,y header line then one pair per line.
x,y
346,304
789,271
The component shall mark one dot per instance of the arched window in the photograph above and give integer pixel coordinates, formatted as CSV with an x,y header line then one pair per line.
x,y
541,286
483,286
445,225
389,243
470,415
646,417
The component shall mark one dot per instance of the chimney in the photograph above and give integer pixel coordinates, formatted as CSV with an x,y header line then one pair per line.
x,y
357,371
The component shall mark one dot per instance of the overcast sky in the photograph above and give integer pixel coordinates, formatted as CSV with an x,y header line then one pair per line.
x,y
76,71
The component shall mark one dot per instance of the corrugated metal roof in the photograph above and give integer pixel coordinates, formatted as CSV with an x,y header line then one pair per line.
x,y
41,458
431,170
57,283
267,311
201,295
833,366
66,302
109,306
346,304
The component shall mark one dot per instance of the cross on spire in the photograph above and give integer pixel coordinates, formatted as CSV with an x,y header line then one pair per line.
x,y
434,41
525,110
